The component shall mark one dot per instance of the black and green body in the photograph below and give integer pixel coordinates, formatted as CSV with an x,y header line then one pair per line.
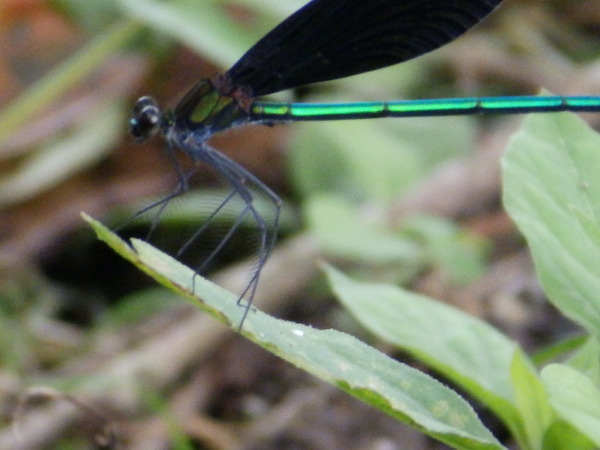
x,y
324,40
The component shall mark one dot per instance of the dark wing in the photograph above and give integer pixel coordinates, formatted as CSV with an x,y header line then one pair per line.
x,y
329,39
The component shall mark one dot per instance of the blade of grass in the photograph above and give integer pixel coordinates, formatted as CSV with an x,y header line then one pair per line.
x,y
80,65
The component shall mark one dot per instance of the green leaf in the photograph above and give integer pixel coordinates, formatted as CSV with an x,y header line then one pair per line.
x,y
340,359
63,77
93,138
562,436
205,27
344,157
464,349
531,400
343,231
459,253
575,398
552,191
586,361
137,307
373,160
558,349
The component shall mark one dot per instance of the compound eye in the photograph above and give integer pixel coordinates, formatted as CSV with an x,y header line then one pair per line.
x,y
145,120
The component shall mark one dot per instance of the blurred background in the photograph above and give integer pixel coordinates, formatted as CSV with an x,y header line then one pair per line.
x,y
105,358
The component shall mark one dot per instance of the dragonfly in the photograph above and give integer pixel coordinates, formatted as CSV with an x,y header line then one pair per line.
x,y
324,40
